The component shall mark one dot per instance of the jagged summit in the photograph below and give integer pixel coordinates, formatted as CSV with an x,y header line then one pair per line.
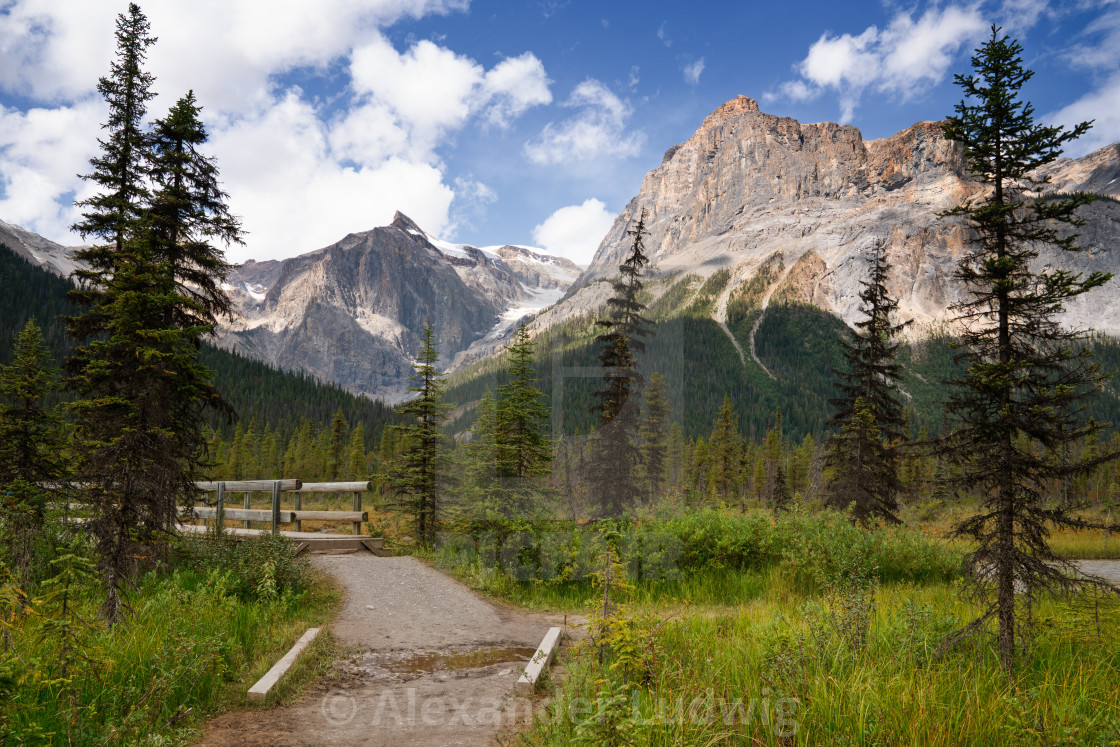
x,y
404,223
750,191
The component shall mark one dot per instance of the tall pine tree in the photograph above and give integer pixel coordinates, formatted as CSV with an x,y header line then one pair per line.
x,y
415,477
864,454
616,454
655,435
150,292
523,451
1018,404
31,435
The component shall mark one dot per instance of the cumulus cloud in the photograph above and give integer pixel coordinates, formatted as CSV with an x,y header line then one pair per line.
x,y
692,71
902,59
301,170
1097,52
40,151
52,45
597,131
575,231
1102,105
293,194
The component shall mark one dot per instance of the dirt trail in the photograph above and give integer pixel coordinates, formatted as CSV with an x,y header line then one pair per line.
x,y
429,663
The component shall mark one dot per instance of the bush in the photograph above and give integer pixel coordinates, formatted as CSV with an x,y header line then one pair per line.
x,y
817,547
711,540
261,567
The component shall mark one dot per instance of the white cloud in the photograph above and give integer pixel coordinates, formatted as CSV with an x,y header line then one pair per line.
x,y
663,36
41,151
52,45
575,231
513,86
692,71
301,171
294,195
1103,51
903,59
598,131
1097,51
1101,105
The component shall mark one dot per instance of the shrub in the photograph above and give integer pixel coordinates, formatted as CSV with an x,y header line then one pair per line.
x,y
261,567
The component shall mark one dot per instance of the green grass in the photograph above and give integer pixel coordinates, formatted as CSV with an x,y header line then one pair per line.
x,y
790,630
780,651
190,647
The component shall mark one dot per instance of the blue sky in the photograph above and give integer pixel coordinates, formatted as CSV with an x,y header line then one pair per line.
x,y
500,122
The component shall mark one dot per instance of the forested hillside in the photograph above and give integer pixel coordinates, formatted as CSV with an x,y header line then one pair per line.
x,y
797,343
279,401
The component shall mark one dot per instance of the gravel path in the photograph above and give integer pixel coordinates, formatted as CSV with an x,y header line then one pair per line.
x,y
428,662
1106,569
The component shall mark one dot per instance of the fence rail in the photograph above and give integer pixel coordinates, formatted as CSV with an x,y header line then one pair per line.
x,y
286,516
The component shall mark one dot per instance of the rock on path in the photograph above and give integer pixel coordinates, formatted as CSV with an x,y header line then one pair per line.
x,y
404,680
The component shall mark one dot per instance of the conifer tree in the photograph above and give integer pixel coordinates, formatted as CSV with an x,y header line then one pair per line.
x,y
150,292
337,443
357,462
31,436
415,479
523,451
723,451
655,434
616,454
777,486
188,217
32,443
1018,403
864,454
122,169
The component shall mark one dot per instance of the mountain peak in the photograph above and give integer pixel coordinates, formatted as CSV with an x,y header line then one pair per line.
x,y
404,223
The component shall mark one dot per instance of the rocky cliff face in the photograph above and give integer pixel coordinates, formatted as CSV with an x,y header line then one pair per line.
x,y
750,189
352,313
38,251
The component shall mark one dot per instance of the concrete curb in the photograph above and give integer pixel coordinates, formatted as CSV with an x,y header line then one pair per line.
x,y
259,691
541,659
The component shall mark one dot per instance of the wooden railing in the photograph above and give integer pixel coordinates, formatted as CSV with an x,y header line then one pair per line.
x,y
278,515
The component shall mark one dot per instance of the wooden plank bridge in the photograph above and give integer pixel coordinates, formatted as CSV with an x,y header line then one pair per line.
x,y
277,514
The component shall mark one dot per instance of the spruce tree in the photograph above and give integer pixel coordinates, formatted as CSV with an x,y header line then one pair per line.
x,y
723,452
655,435
337,443
122,169
523,451
616,454
864,454
188,218
415,478
1018,404
149,292
777,486
32,444
31,435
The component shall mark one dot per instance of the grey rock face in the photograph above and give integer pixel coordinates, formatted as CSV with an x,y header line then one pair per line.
x,y
748,186
37,250
352,313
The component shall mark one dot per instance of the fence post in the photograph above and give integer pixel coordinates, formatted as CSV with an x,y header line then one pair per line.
x,y
299,507
219,515
357,507
248,504
275,507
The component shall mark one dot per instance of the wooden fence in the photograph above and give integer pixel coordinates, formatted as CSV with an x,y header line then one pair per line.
x,y
279,515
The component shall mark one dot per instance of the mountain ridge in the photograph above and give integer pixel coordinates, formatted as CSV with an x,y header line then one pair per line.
x,y
748,187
